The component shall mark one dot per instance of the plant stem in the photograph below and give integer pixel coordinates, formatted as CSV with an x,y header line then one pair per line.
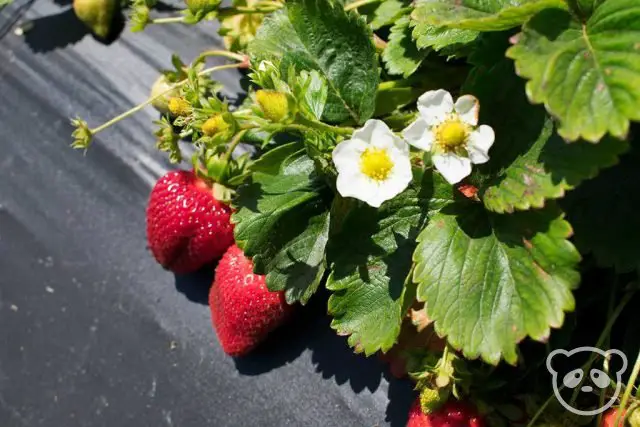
x,y
232,146
225,12
168,20
542,408
605,364
603,336
151,99
347,131
223,53
628,389
359,3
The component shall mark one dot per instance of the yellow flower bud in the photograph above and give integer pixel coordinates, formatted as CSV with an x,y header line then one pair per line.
x,y
179,107
214,125
274,105
162,86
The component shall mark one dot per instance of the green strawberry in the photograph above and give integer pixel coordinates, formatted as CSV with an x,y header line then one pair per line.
x,y
96,14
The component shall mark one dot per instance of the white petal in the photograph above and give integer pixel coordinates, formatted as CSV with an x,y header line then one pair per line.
x,y
355,184
399,179
371,130
434,106
346,155
468,107
361,187
419,135
480,141
454,168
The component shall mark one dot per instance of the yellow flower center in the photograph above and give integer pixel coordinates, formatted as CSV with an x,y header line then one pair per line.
x,y
376,163
452,134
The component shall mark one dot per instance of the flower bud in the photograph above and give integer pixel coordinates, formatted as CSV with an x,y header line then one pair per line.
x,y
215,125
179,107
205,6
162,86
274,105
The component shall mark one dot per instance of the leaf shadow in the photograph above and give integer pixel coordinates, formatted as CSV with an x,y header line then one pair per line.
x,y
46,33
334,359
401,395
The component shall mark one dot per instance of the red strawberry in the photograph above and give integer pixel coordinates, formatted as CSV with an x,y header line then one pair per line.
x,y
186,226
451,414
243,310
609,418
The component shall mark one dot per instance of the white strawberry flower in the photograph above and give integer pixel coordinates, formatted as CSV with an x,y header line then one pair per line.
x,y
451,133
373,166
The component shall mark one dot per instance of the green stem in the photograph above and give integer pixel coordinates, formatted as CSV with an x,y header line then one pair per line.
x,y
223,53
359,3
629,388
347,131
153,98
232,146
603,336
542,408
168,20
605,364
226,12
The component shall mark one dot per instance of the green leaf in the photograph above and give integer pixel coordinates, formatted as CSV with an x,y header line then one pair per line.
x,y
370,261
271,161
529,162
440,38
282,223
604,214
401,54
586,74
316,35
341,46
489,280
388,12
480,15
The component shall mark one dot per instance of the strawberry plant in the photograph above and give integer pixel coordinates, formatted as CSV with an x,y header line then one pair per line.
x,y
465,168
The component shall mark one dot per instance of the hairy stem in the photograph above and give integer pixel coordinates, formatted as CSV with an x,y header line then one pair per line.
x,y
628,389
360,3
222,53
167,20
153,98
603,336
314,124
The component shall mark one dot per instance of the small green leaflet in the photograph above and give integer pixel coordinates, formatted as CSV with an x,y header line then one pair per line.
x,y
282,223
370,264
401,54
586,74
388,12
605,215
439,38
529,162
480,15
490,280
318,35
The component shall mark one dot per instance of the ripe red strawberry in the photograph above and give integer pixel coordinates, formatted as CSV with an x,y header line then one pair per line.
x,y
243,310
609,418
451,414
186,226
